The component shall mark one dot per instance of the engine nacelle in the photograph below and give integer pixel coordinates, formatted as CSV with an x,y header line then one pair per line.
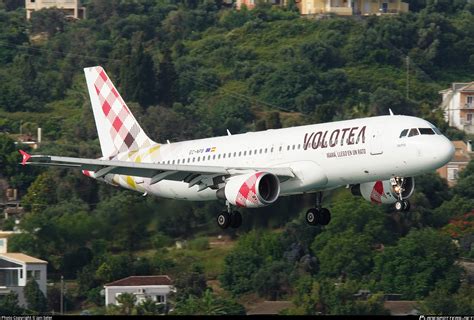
x,y
383,191
252,190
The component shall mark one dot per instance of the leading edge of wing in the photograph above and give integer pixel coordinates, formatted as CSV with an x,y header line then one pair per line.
x,y
143,169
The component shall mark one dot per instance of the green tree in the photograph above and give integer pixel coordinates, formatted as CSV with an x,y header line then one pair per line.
x,y
138,77
35,297
421,261
126,305
9,305
209,304
166,81
272,280
442,301
50,20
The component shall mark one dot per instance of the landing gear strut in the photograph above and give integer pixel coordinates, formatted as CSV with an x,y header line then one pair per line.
x,y
229,218
398,184
318,215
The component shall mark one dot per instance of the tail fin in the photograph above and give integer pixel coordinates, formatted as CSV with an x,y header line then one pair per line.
x,y
118,129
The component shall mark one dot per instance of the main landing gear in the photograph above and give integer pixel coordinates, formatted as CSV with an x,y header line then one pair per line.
x,y
398,185
229,218
318,215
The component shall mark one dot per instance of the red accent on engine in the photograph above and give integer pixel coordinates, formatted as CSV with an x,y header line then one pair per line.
x,y
247,192
377,192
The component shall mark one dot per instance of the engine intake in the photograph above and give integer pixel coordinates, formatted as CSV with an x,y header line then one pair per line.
x,y
252,190
384,191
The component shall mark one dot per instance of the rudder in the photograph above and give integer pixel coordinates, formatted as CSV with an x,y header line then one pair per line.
x,y
117,128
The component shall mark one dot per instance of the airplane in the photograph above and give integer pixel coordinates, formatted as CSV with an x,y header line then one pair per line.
x,y
377,157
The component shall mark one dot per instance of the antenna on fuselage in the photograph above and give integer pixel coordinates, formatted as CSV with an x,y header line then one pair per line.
x,y
167,141
391,112
228,132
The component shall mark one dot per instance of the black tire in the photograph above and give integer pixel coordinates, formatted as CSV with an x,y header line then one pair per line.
x,y
223,220
406,205
235,219
399,206
325,215
312,216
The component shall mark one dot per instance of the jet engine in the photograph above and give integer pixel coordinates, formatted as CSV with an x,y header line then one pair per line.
x,y
386,191
252,190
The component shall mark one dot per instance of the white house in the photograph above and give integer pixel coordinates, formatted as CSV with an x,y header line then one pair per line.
x,y
458,106
156,288
16,269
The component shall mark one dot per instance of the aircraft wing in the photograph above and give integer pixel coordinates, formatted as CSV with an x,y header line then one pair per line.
x,y
204,176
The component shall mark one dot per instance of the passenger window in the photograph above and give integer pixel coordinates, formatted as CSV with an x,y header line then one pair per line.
x,y
280,148
288,148
199,159
214,157
172,162
271,150
219,156
260,151
413,132
293,148
194,159
235,154
426,131
404,133
299,146
240,153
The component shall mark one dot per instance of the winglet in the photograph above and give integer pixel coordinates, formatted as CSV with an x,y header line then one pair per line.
x,y
25,156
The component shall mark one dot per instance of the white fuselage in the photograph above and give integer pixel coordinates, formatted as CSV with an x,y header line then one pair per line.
x,y
322,156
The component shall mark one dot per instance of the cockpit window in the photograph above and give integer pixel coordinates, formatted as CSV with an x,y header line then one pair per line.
x,y
436,130
426,131
404,133
413,132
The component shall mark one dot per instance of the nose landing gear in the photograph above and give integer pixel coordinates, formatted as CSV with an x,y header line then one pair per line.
x,y
318,215
398,184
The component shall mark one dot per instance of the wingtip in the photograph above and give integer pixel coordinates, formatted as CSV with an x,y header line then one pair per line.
x,y
25,156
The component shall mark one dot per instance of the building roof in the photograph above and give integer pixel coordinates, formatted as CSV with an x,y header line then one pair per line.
x,y
468,87
270,307
162,280
401,308
22,258
459,86
6,234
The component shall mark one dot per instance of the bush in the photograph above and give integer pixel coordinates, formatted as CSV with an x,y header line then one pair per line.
x,y
199,244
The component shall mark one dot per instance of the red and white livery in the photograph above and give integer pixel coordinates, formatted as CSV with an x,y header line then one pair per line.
x,y
377,157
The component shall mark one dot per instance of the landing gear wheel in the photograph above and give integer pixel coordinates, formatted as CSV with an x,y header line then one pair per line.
x,y
236,219
312,216
325,215
223,220
406,205
399,205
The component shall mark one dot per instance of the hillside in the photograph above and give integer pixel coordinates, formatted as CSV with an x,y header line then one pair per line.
x,y
192,69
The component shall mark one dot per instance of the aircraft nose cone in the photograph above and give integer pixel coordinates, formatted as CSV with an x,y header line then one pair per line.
x,y
445,151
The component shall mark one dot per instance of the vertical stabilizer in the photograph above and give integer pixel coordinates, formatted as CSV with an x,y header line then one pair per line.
x,y
117,128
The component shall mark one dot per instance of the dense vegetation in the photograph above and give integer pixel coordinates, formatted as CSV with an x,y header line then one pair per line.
x,y
193,69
